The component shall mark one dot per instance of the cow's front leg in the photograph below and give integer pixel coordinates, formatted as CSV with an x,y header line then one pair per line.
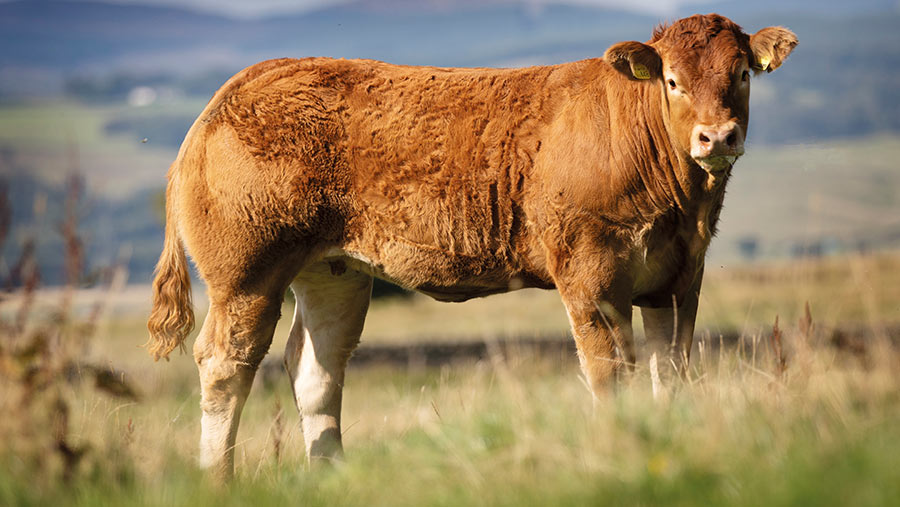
x,y
599,307
671,328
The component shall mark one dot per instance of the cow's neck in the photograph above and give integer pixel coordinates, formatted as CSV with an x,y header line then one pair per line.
x,y
657,177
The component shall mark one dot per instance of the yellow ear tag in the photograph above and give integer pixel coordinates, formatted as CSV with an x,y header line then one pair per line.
x,y
763,63
640,71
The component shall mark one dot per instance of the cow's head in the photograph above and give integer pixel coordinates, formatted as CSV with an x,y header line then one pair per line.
x,y
704,64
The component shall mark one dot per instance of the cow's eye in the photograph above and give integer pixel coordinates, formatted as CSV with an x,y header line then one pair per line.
x,y
745,76
672,84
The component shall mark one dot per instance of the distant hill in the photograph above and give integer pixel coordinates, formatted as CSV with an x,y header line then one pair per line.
x,y
819,8
844,78
47,42
71,35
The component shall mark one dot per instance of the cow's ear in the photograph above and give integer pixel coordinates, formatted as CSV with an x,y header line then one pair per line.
x,y
634,59
771,46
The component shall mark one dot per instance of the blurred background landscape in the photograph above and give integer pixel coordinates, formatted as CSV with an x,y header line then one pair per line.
x,y
110,89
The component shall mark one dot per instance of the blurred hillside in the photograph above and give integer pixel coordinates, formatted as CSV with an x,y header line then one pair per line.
x,y
843,80
110,90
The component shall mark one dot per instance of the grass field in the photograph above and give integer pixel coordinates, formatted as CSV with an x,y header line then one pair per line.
x,y
517,430
841,192
49,140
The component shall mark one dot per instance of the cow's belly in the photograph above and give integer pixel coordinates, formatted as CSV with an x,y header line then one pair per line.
x,y
442,275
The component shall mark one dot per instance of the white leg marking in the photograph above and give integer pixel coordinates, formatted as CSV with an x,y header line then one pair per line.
x,y
331,309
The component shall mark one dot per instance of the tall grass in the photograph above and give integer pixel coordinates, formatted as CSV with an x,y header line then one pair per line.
x,y
740,429
42,366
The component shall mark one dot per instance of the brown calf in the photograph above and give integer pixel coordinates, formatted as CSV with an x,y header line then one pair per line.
x,y
602,178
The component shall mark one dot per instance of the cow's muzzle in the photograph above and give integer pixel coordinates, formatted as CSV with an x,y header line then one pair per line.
x,y
716,147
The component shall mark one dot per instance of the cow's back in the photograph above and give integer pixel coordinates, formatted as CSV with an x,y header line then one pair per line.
x,y
421,171
441,159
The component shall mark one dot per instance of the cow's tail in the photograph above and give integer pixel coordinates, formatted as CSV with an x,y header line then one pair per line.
x,y
172,315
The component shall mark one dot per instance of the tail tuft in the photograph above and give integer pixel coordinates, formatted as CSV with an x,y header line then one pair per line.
x,y
172,316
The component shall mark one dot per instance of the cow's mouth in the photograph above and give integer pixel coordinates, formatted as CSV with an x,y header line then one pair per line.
x,y
716,164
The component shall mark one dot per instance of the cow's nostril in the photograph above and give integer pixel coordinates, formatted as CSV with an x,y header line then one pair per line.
x,y
731,139
703,138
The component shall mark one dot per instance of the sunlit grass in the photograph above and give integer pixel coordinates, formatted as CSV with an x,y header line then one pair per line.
x,y
524,431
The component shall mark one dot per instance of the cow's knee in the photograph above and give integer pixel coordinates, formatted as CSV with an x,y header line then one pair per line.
x,y
226,353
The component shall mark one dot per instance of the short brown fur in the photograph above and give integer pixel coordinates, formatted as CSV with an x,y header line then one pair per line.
x,y
458,183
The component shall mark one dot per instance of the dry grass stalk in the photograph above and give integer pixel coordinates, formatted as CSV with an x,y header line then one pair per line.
x,y
40,362
778,349
5,214
71,454
74,249
806,324
27,274
278,432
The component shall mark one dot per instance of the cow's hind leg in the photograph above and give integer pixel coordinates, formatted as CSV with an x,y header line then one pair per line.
x,y
235,336
331,307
